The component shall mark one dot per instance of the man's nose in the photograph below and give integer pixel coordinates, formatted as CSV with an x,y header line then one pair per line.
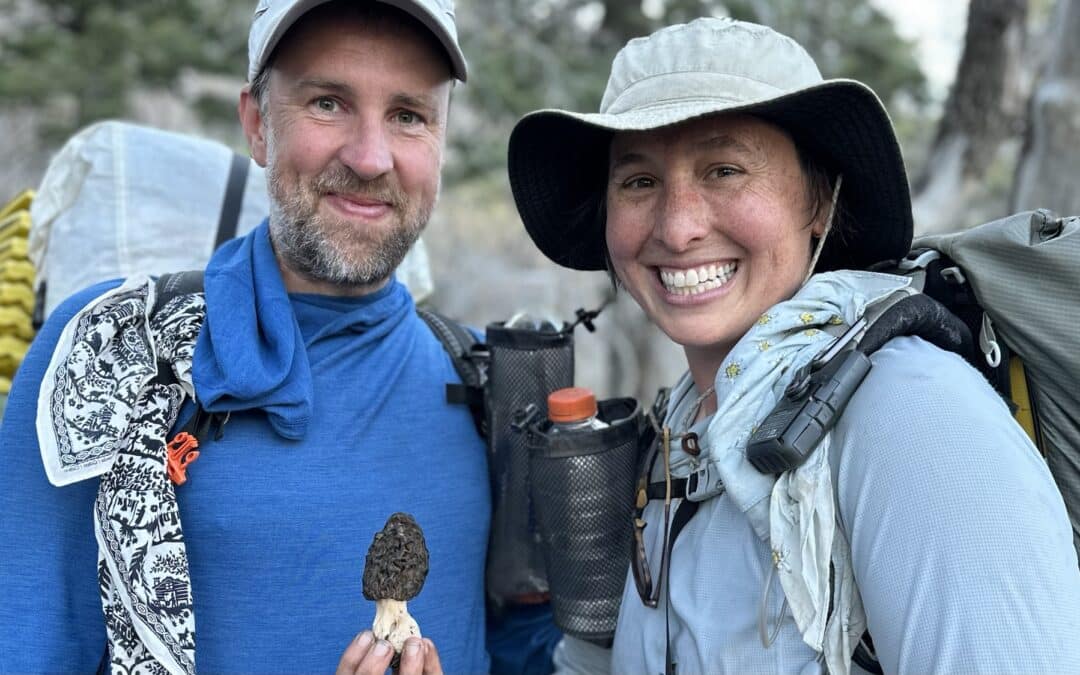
x,y
367,150
683,217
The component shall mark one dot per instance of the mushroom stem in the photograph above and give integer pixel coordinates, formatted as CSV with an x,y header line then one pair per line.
x,y
393,623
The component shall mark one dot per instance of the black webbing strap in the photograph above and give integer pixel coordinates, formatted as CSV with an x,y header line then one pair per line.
x,y
173,284
234,198
683,513
458,342
658,489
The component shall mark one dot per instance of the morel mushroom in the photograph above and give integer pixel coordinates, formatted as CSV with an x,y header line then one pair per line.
x,y
394,572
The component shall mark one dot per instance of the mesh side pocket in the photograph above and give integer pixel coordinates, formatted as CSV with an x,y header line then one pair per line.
x,y
525,366
582,487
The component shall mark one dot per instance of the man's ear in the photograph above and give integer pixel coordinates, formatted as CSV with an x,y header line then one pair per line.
x,y
251,120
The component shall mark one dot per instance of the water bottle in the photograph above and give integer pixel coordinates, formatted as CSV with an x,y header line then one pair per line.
x,y
573,409
582,468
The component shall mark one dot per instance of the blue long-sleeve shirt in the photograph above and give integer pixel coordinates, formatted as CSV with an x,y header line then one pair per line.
x,y
276,524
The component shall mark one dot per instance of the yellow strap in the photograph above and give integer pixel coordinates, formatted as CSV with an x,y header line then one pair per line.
x,y
12,351
20,202
17,295
14,321
1021,397
13,249
15,226
21,271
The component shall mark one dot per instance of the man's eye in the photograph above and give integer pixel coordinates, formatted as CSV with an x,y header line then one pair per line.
x,y
326,104
722,171
407,117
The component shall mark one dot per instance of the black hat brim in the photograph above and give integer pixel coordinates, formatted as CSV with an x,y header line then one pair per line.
x,y
558,169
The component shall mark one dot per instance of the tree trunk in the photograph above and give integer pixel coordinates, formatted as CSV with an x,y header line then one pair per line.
x,y
1049,163
981,113
624,20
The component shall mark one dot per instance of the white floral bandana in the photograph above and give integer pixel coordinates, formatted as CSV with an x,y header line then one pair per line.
x,y
796,513
102,411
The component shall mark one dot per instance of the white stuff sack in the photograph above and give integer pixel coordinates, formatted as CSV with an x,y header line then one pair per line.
x,y
120,199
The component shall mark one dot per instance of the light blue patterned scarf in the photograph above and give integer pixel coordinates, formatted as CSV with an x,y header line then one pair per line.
x,y
795,513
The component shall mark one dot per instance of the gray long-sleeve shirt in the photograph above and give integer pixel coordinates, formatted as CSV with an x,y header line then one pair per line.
x,y
961,547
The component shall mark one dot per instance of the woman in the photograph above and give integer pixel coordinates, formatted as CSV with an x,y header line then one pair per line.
x,y
734,194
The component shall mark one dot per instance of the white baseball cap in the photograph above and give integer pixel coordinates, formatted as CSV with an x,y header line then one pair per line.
x,y
273,18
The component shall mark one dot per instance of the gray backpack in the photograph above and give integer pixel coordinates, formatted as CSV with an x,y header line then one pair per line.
x,y
1016,283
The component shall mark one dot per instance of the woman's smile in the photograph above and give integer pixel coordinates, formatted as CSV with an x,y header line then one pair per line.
x,y
698,280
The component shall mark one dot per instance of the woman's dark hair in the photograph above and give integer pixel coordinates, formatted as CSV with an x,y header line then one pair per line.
x,y
820,181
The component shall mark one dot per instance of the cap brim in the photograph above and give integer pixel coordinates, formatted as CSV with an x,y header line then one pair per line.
x,y
558,165
410,7
439,30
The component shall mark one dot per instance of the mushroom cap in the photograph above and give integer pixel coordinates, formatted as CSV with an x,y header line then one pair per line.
x,y
397,560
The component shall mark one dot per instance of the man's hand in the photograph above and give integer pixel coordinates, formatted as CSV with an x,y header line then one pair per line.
x,y
368,656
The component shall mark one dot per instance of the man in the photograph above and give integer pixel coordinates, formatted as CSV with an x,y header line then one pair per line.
x,y
328,391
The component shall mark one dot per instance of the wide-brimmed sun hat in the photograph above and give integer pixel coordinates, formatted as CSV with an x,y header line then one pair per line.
x,y
558,160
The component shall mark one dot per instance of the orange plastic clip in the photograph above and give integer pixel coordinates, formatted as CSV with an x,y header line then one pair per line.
x,y
182,451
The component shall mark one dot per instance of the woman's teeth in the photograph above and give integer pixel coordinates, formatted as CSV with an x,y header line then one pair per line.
x,y
697,280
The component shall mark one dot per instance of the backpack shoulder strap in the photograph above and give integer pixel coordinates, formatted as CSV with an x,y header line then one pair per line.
x,y
459,341
229,217
166,287
173,284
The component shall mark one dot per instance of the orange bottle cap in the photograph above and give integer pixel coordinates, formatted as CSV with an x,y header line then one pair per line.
x,y
571,404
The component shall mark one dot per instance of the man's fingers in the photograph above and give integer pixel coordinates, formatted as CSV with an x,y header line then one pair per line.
x,y
419,657
366,656
355,653
432,666
412,657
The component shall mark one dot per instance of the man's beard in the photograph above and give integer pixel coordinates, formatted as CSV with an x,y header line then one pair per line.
x,y
322,248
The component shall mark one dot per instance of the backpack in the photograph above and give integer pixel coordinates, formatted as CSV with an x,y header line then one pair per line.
x,y
1009,287
16,280
1015,282
1012,283
455,338
144,200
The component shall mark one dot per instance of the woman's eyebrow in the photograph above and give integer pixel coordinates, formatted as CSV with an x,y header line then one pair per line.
x,y
716,142
724,142
624,159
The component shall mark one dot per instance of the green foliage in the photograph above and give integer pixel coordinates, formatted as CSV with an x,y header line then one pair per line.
x,y
91,55
530,54
84,58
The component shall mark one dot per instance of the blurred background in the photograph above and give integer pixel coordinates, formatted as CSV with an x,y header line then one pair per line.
x,y
985,96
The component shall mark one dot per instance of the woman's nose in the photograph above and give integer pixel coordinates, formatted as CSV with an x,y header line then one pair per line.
x,y
682,219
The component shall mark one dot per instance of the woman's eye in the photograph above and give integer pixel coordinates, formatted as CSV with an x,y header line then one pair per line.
x,y
638,183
